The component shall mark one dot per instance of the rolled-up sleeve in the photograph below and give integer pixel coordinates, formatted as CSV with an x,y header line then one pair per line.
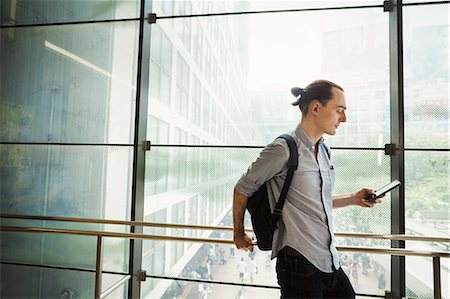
x,y
271,162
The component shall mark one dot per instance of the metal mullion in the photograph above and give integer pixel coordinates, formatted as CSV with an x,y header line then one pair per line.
x,y
437,288
66,144
257,146
428,149
140,134
98,268
269,11
426,3
69,23
398,285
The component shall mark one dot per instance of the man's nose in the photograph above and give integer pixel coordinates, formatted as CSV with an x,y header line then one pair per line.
x,y
343,117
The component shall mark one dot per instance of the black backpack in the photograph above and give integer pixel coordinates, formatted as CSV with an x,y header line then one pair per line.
x,y
264,222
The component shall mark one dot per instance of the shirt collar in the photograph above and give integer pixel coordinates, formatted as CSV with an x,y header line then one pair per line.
x,y
304,138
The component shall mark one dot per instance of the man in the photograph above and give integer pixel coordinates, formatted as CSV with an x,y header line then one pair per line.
x,y
307,260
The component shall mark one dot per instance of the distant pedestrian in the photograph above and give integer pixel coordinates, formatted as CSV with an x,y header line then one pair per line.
x,y
381,281
242,267
252,270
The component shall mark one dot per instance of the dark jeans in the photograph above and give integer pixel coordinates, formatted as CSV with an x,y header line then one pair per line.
x,y
298,278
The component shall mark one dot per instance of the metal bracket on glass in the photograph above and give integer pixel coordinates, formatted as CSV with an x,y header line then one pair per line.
x,y
389,149
151,18
147,145
142,275
387,5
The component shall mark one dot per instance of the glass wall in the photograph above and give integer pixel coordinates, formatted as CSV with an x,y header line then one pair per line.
x,y
427,136
218,91
67,106
227,85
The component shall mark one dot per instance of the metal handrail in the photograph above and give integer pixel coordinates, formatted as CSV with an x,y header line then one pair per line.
x,y
392,251
400,237
436,255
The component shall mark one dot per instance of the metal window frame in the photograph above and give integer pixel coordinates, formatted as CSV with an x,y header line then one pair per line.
x,y
140,134
398,270
394,7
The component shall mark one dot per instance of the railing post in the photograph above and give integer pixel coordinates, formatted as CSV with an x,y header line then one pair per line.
x,y
99,268
437,277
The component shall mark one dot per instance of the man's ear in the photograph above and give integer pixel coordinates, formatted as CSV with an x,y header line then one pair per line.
x,y
315,107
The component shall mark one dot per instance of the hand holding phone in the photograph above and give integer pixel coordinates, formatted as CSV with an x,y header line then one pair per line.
x,y
382,191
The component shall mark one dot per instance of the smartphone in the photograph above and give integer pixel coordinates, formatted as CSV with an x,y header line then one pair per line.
x,y
383,190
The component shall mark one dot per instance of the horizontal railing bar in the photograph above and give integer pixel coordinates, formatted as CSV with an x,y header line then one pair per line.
x,y
118,222
394,251
226,228
113,234
393,237
115,286
391,251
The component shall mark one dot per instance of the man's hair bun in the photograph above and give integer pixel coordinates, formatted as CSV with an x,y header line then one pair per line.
x,y
297,92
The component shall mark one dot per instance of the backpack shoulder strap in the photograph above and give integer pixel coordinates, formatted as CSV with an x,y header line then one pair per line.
x,y
292,166
327,149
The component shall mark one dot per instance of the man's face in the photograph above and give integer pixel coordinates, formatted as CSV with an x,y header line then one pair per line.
x,y
332,114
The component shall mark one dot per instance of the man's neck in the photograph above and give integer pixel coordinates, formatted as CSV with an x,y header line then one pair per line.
x,y
311,130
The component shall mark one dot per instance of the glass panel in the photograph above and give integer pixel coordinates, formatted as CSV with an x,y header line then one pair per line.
x,y
69,84
211,174
74,181
427,195
34,282
427,81
206,200
195,265
427,200
225,90
178,7
66,250
22,12
355,170
419,272
369,273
